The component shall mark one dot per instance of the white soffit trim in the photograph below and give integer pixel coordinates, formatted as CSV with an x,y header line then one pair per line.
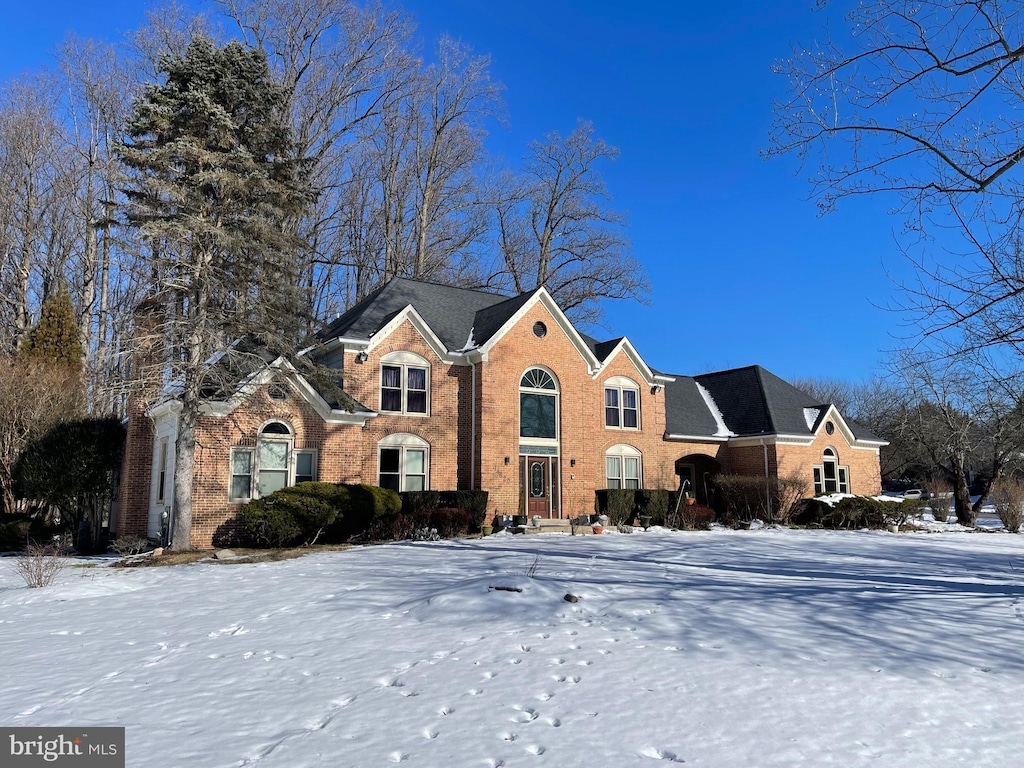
x,y
417,322
543,297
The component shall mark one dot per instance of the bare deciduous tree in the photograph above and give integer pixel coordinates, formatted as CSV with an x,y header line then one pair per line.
x,y
557,230
919,101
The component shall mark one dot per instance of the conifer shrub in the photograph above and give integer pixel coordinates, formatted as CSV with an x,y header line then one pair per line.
x,y
618,503
14,533
284,519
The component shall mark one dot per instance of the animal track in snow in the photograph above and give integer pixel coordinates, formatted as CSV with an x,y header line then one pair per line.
x,y
524,714
554,722
545,696
661,754
536,749
429,734
567,678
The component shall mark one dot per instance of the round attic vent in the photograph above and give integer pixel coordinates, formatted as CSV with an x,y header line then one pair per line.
x,y
829,427
540,330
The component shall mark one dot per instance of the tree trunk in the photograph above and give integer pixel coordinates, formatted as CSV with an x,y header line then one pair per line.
x,y
184,465
965,514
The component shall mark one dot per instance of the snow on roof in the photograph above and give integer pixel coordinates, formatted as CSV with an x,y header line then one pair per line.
x,y
709,401
811,416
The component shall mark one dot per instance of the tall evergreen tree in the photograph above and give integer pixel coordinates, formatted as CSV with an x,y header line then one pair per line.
x,y
56,337
215,193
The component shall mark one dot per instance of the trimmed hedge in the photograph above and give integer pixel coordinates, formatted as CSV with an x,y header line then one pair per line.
x,y
365,507
695,517
618,503
624,505
473,502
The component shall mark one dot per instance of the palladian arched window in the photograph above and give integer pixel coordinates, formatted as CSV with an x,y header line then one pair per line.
x,y
271,464
830,476
538,405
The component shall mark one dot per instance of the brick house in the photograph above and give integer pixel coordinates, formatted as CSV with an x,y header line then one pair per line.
x,y
443,388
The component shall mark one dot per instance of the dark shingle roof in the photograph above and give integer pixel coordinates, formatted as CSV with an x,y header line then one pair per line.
x,y
450,312
686,413
489,320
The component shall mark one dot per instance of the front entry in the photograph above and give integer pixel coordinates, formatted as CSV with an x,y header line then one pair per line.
x,y
538,486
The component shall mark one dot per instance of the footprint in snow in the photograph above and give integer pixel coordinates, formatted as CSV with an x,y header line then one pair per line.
x,y
661,754
536,749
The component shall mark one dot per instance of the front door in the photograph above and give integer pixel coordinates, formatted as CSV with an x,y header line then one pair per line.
x,y
538,486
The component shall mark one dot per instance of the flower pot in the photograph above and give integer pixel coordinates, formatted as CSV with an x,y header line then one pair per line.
x,y
519,520
487,530
645,521
597,528
690,501
894,528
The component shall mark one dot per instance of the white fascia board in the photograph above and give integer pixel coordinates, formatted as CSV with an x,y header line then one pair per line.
x,y
163,409
625,346
543,297
661,377
747,441
695,438
833,413
297,382
410,314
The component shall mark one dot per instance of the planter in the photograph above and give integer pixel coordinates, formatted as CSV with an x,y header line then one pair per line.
x,y
645,521
597,528
690,501
519,520
894,528
487,530
584,520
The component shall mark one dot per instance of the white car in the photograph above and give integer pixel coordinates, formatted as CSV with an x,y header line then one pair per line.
x,y
913,493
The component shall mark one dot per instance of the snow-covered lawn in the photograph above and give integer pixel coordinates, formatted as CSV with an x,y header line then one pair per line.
x,y
728,649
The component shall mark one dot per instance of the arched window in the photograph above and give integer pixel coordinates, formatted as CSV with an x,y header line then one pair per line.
x,y
830,476
623,467
404,383
621,403
538,405
271,464
403,463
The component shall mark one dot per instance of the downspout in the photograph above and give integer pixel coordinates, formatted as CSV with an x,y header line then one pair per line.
x,y
767,481
472,421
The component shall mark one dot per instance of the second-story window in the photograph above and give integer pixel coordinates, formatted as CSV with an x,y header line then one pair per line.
x,y
621,403
404,383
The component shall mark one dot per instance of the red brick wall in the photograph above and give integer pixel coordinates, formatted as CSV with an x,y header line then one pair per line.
x,y
348,453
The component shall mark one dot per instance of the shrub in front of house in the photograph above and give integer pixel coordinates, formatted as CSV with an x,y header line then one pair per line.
x,y
695,517
285,518
473,502
618,503
653,502
809,513
445,523
742,498
854,512
367,509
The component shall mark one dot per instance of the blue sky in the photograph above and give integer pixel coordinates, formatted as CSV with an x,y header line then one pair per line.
x,y
743,269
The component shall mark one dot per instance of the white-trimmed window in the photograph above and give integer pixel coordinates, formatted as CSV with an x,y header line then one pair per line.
x,y
404,383
621,403
273,463
538,405
623,467
403,463
830,476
